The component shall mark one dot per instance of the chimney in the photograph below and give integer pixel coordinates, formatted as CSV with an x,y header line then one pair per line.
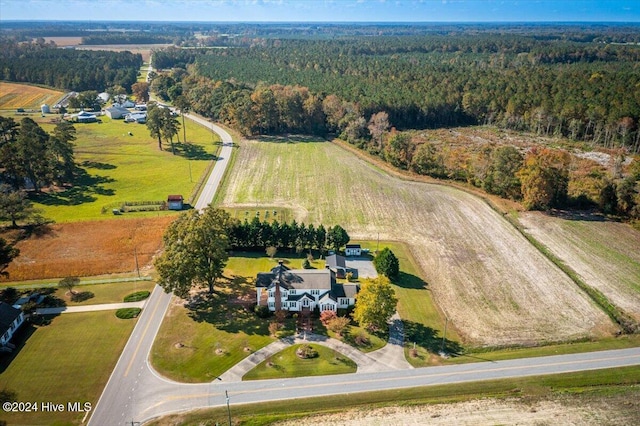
x,y
279,280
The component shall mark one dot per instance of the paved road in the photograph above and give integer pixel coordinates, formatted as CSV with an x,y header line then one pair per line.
x,y
161,397
211,186
133,385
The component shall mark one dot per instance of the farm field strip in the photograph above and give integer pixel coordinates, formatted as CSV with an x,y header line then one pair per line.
x,y
89,248
494,286
605,254
14,95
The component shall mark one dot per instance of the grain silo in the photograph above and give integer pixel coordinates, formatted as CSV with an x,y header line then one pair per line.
x,y
45,109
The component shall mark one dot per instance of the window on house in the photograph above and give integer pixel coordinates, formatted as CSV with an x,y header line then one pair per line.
x,y
292,291
272,305
315,292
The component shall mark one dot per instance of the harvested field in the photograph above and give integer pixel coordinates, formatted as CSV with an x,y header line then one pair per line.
x,y
494,286
89,248
143,49
14,95
606,255
64,41
556,410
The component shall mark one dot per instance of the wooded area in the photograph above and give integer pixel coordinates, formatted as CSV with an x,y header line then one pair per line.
x,y
363,88
67,69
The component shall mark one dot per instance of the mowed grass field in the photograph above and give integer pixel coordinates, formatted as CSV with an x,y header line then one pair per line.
x,y
120,167
197,344
494,286
68,360
14,95
606,255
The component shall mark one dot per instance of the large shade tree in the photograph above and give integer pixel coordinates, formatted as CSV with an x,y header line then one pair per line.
x,y
375,304
195,251
7,254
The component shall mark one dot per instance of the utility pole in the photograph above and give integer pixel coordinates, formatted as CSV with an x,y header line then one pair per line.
x,y
190,178
228,409
135,253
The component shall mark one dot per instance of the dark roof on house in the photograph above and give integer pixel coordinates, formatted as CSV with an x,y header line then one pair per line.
x,y
296,297
303,279
353,246
336,261
345,290
175,198
8,315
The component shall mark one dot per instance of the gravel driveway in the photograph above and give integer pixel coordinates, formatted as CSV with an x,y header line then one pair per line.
x,y
363,265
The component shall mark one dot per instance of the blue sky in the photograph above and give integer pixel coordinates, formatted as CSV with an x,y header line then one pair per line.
x,y
324,10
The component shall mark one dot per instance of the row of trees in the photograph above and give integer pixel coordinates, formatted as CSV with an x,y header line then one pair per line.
x,y
162,124
196,245
67,69
258,235
31,156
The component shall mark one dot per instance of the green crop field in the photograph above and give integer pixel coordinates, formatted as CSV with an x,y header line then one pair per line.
x,y
119,167
492,284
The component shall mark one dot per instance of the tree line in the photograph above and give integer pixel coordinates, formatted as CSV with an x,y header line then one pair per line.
x,y
258,235
32,157
67,69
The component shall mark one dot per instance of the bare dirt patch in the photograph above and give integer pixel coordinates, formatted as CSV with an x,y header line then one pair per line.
x,y
64,41
605,254
143,49
566,411
494,286
88,248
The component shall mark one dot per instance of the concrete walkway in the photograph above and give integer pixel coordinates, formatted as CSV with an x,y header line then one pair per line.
x,y
89,308
390,357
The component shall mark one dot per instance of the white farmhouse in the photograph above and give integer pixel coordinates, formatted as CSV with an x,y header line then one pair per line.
x,y
299,290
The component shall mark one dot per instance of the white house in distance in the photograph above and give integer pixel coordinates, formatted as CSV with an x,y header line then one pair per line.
x,y
353,250
10,320
298,290
116,112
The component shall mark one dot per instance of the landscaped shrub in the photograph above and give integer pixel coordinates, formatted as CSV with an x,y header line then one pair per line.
x,y
327,316
306,351
128,313
137,296
362,339
262,311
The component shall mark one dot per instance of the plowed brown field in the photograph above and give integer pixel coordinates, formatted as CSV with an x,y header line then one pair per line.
x,y
495,287
89,248
606,255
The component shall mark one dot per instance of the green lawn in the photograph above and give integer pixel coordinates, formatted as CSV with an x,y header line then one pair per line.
x,y
103,293
199,345
376,341
287,364
119,167
70,359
